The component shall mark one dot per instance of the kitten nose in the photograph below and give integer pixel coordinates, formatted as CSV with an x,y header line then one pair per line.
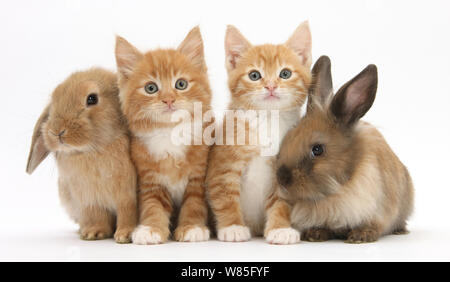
x,y
169,101
271,87
284,176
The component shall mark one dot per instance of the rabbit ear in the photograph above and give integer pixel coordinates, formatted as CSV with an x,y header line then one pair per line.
x,y
322,84
356,97
235,46
38,150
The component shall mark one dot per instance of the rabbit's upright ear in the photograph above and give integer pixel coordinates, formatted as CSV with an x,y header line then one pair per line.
x,y
356,97
322,84
38,150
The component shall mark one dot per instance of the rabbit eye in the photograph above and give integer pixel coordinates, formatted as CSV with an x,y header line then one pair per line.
x,y
92,99
254,75
151,88
285,74
181,84
317,150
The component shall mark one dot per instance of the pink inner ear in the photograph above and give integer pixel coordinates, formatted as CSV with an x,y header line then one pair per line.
x,y
356,94
232,57
352,101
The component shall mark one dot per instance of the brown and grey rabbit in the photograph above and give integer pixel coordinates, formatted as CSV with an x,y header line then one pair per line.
x,y
84,128
338,173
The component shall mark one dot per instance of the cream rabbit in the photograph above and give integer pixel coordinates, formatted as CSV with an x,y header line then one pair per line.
x,y
84,128
339,173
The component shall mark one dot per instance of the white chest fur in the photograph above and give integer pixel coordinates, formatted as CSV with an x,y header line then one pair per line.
x,y
255,187
256,182
160,145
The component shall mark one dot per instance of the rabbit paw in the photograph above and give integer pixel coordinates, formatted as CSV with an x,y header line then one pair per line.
x,y
95,233
283,236
316,235
190,233
123,235
401,231
146,235
359,236
234,233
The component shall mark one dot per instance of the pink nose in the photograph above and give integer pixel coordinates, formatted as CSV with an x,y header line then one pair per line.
x,y
169,102
271,88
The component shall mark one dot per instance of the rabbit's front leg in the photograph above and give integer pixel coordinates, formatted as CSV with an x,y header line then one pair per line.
x,y
317,234
126,220
365,233
96,223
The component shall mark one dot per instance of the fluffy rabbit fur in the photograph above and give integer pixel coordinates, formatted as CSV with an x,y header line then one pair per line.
x,y
338,173
84,128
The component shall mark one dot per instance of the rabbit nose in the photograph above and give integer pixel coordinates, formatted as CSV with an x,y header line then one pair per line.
x,y
284,176
60,134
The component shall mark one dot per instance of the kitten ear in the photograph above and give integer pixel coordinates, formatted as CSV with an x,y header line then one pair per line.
x,y
192,47
356,97
322,83
300,42
127,56
235,46
38,150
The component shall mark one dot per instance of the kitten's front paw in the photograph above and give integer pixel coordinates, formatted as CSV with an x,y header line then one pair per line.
x,y
95,233
191,233
146,235
283,236
123,235
359,236
234,233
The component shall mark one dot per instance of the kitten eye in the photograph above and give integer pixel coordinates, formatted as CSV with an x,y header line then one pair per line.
x,y
181,84
285,73
92,99
151,88
317,150
254,75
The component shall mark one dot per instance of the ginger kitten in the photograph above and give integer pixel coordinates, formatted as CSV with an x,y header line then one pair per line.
x,y
240,178
153,87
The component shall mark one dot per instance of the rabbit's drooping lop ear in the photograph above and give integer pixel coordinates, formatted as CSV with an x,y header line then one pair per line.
x,y
322,84
38,150
192,47
356,97
235,46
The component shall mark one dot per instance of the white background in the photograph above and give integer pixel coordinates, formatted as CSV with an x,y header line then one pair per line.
x,y
42,42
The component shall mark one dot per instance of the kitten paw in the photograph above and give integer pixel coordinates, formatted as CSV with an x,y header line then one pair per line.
x,y
145,235
191,233
123,236
234,233
359,236
316,235
95,233
283,236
